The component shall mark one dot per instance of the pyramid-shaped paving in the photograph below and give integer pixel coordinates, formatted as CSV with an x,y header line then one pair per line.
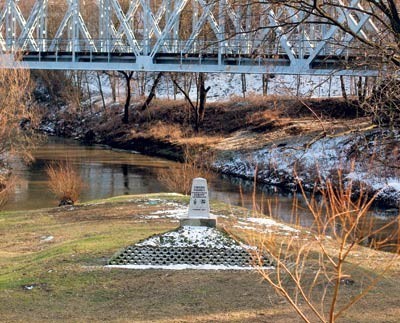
x,y
194,246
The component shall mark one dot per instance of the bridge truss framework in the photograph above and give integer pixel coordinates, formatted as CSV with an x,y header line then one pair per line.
x,y
180,36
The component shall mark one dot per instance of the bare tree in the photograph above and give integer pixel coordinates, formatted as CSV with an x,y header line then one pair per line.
x,y
198,107
128,78
313,270
384,38
18,118
368,31
152,93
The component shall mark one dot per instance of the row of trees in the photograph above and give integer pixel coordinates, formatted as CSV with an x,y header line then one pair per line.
x,y
380,37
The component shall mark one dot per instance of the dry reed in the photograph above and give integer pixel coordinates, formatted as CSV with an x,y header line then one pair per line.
x,y
64,182
179,179
7,187
312,268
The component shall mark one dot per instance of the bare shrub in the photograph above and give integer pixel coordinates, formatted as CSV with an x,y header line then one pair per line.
x,y
313,268
7,186
52,81
164,130
202,140
384,103
64,182
179,179
18,115
266,120
18,118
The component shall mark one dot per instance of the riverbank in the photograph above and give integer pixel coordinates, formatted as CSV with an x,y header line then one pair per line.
x,y
52,269
278,141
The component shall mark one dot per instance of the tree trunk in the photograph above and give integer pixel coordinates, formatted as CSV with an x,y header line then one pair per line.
x,y
128,77
202,99
152,92
265,80
343,87
359,89
89,93
101,91
244,84
113,81
194,107
298,85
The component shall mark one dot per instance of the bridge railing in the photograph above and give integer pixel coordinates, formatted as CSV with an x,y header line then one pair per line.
x,y
252,48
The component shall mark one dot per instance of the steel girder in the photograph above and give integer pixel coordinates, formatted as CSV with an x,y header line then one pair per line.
x,y
224,35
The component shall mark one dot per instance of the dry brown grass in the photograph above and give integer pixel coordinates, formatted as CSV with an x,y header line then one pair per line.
x,y
315,269
179,179
200,140
64,182
7,186
253,99
163,130
168,103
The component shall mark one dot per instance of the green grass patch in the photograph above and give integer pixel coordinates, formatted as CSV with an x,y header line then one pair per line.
x,y
64,278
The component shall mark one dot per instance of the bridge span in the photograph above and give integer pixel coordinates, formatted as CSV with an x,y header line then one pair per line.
x,y
231,36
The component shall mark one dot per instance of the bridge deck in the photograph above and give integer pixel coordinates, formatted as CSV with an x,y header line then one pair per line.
x,y
176,62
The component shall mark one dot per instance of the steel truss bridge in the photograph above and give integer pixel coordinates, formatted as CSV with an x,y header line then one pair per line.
x,y
233,36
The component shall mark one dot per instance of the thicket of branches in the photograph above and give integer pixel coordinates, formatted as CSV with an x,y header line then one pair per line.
x,y
379,41
18,117
314,270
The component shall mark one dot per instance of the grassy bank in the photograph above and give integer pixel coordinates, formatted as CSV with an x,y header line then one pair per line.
x,y
52,269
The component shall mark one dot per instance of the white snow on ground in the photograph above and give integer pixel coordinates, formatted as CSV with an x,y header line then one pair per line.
x,y
321,159
375,182
177,211
223,86
394,183
191,236
386,188
194,234
327,153
184,267
209,237
272,223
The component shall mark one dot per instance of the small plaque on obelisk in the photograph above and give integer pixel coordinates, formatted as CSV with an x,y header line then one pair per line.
x,y
199,207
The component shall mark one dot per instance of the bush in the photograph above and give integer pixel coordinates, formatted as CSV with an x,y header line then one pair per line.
x,y
64,182
384,103
180,179
7,185
313,268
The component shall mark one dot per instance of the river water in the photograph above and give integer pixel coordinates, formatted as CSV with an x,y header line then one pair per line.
x,y
107,172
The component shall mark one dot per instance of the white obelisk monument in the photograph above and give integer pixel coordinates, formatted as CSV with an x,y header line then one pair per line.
x,y
199,206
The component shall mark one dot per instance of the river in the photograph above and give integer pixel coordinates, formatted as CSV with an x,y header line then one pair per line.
x,y
108,172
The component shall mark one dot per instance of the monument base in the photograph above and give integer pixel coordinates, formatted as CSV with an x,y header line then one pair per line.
x,y
193,222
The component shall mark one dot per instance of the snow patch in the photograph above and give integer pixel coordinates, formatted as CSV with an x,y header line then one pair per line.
x,y
272,223
46,238
191,236
184,267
